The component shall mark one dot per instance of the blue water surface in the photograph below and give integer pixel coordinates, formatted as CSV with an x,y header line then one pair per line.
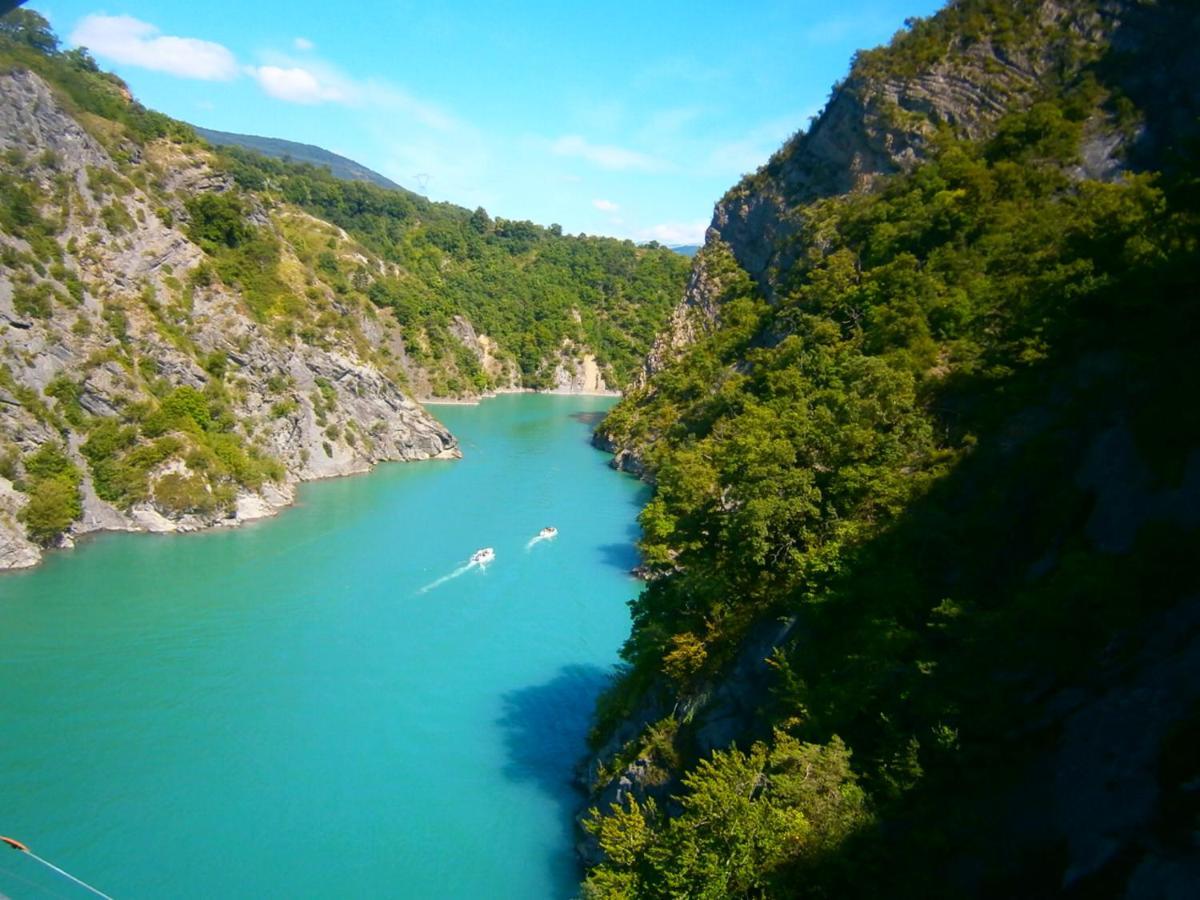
x,y
281,710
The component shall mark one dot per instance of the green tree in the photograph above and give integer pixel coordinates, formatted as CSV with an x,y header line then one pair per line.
x,y
53,505
24,26
218,221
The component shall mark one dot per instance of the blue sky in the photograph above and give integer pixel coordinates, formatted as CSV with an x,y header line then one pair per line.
x,y
621,118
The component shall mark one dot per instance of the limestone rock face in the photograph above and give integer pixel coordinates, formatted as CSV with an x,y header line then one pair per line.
x,y
16,550
31,118
872,127
576,370
578,373
876,125
126,319
696,314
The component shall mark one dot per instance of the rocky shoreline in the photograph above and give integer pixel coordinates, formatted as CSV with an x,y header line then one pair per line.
x,y
18,552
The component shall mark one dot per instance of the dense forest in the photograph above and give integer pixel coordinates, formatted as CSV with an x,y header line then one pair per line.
x,y
528,287
935,492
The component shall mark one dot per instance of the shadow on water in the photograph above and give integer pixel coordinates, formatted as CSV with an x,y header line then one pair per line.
x,y
545,733
621,556
590,418
624,554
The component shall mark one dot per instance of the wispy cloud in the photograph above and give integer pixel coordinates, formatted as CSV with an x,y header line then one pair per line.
x,y
295,85
864,29
605,206
457,166
137,43
675,233
754,147
383,95
666,124
607,156
302,44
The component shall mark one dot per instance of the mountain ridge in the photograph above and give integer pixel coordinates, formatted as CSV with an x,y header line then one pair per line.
x,y
280,148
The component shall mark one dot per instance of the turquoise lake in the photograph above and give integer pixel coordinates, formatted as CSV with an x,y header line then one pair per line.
x,y
280,711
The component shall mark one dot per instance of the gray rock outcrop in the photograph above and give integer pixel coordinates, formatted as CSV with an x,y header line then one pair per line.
x,y
121,312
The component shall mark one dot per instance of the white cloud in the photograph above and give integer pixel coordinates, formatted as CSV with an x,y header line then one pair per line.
x,y
295,85
302,43
137,43
605,206
606,156
675,233
311,81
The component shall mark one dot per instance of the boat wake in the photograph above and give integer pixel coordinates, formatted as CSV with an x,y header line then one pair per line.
x,y
461,570
546,534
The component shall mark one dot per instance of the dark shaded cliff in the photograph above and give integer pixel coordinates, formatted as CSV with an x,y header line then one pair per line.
x,y
919,617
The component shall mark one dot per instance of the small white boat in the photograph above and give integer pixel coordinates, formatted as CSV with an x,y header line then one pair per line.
x,y
548,532
483,557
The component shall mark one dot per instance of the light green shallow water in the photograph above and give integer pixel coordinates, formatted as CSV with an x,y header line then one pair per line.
x,y
278,711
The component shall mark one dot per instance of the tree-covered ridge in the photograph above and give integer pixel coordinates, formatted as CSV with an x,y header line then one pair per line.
x,y
1013,27
910,461
346,169
529,288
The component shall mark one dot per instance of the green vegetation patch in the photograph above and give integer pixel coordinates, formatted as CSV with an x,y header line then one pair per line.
x,y
52,483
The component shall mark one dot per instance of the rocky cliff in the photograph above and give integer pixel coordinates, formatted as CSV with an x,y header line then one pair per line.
x,y
884,116
111,309
956,74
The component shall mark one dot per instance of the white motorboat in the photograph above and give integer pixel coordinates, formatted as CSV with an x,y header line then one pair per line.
x,y
483,556
548,532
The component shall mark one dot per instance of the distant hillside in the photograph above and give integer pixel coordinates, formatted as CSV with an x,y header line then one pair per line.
x,y
339,166
686,249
